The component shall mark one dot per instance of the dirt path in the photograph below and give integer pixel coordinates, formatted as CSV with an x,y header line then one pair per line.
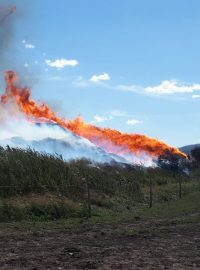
x,y
136,245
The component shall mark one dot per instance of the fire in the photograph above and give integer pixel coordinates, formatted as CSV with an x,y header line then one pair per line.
x,y
112,141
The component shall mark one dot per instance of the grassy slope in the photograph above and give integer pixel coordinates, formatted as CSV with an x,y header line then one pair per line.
x,y
186,210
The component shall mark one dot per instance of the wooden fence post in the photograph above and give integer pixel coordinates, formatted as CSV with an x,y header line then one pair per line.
x,y
180,186
150,193
88,197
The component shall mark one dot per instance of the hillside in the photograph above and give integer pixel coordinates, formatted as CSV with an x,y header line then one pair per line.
x,y
188,148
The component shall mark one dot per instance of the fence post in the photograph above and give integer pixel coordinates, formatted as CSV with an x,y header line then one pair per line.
x,y
88,197
180,186
150,193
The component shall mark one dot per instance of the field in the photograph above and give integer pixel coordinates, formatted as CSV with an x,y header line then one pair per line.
x,y
57,215
165,237
99,135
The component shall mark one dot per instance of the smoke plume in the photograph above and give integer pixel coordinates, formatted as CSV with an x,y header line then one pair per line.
x,y
7,35
131,147
20,115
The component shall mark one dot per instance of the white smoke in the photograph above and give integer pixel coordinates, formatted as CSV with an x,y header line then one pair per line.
x,y
140,158
48,138
17,131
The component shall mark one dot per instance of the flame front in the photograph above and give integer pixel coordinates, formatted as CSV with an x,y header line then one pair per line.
x,y
112,141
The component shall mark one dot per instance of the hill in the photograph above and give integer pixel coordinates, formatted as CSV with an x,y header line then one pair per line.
x,y
188,148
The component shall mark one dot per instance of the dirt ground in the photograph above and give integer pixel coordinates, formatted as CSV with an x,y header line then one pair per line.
x,y
126,245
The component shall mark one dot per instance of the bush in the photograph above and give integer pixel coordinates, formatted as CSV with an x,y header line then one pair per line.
x,y
9,212
28,171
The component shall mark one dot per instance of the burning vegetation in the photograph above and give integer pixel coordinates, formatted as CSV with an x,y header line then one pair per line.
x,y
128,146
112,141
37,186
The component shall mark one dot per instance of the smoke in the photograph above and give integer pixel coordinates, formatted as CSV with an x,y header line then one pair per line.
x,y
17,131
50,139
10,37
135,148
141,159
18,109
7,34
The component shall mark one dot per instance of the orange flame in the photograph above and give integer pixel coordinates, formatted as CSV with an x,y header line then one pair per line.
x,y
110,140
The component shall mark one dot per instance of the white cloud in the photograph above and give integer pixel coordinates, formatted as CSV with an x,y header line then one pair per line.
x,y
172,87
101,119
26,65
101,77
114,115
61,63
132,122
28,45
195,96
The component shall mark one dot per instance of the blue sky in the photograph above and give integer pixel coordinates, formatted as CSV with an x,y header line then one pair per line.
x,y
124,64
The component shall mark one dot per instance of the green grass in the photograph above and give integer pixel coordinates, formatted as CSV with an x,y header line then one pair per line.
x,y
184,210
36,187
13,210
51,208
179,208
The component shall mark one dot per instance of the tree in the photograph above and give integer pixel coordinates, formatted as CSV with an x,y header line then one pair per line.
x,y
169,161
175,164
196,154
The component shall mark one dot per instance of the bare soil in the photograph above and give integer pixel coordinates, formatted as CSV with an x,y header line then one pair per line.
x,y
137,245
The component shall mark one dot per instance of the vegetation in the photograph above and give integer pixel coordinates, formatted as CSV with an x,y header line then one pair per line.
x,y
36,186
